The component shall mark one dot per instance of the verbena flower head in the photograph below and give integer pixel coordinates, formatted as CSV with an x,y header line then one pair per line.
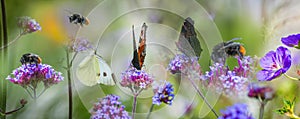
x,y
291,40
163,94
28,25
109,107
79,44
176,64
274,64
32,74
237,111
137,79
258,92
230,81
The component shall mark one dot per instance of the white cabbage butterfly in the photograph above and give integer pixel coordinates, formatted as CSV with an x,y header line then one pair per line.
x,y
94,70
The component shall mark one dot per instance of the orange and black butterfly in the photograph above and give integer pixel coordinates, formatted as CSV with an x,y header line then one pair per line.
x,y
139,53
188,42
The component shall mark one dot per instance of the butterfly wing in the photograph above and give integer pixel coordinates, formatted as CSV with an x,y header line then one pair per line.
x,y
87,71
135,60
142,45
184,46
188,33
105,73
140,53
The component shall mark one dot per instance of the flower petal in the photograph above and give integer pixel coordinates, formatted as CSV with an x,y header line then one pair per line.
x,y
268,61
268,75
283,58
291,40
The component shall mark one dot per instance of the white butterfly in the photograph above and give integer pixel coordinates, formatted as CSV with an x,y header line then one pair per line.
x,y
94,70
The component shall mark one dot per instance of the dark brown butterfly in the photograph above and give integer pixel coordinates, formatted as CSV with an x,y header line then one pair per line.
x,y
188,42
139,53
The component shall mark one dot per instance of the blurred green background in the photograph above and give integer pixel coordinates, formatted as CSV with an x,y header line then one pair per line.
x,y
260,24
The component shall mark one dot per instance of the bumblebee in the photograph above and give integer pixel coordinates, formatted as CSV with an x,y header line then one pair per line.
x,y
30,58
226,49
78,19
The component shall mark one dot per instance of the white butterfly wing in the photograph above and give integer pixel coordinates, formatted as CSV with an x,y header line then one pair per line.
x,y
88,71
105,73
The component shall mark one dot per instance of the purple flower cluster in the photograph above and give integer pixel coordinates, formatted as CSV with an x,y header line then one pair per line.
x,y
138,79
188,66
237,111
274,64
32,74
263,93
291,40
109,107
79,44
230,81
163,93
176,64
28,25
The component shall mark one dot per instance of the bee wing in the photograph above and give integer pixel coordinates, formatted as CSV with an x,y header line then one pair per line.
x,y
88,70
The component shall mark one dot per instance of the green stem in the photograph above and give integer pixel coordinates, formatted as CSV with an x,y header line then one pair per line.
x,y
69,85
10,112
203,97
151,108
134,105
293,78
5,46
3,82
262,109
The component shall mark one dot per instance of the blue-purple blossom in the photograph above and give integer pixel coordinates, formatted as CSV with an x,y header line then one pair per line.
x,y
138,79
32,74
291,40
261,92
79,44
109,107
28,25
176,64
274,64
229,81
163,94
237,111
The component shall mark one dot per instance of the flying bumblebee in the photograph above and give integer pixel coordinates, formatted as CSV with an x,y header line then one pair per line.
x,y
78,19
30,58
226,49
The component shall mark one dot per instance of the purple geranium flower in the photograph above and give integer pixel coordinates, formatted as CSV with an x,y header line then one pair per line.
x,y
274,63
291,40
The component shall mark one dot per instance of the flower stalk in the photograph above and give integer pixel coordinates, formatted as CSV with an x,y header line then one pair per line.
x,y
292,78
150,111
203,97
23,102
5,52
262,109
